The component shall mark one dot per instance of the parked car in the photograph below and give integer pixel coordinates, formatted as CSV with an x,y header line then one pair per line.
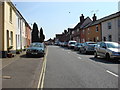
x,y
65,44
108,50
88,47
36,49
71,44
77,46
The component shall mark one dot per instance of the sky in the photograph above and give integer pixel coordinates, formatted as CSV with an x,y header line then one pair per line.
x,y
55,17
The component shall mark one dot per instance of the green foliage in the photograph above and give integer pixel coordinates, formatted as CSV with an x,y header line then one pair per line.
x,y
42,36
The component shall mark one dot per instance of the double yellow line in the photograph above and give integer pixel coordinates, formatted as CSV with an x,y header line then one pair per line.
x,y
42,74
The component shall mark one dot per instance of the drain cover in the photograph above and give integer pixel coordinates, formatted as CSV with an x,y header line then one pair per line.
x,y
6,77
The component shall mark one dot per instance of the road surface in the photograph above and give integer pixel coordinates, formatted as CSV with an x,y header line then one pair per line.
x,y
66,68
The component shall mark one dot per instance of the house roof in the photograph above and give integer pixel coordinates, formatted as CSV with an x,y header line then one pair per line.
x,y
117,14
86,22
17,12
83,24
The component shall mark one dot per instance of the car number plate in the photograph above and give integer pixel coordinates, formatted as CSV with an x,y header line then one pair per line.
x,y
34,53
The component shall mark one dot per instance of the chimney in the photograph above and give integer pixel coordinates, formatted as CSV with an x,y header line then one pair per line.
x,y
65,31
81,18
94,18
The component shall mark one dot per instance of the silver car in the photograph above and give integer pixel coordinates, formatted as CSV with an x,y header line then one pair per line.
x,y
108,50
36,49
87,47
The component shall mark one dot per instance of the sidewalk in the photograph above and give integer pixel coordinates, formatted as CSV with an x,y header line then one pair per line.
x,y
21,72
7,61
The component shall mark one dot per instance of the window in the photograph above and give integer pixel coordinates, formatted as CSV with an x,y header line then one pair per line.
x,y
18,22
73,32
83,31
88,39
109,25
97,28
104,38
10,15
102,45
109,37
11,38
77,30
18,39
88,31
97,38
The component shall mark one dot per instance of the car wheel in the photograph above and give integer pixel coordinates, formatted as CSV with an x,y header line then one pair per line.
x,y
85,51
80,51
107,56
95,55
27,55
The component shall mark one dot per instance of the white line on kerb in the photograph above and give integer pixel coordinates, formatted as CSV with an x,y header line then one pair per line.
x,y
79,58
112,73
42,74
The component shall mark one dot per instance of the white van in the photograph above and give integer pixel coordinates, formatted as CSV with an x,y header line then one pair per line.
x,y
71,44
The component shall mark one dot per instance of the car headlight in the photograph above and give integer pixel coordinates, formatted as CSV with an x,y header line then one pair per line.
x,y
41,50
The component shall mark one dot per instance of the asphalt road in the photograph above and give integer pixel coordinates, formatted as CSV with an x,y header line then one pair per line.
x,y
69,69
23,72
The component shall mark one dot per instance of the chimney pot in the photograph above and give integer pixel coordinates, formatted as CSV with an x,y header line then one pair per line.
x,y
94,17
82,18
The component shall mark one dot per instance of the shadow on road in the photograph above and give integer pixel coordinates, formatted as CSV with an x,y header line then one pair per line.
x,y
102,60
33,56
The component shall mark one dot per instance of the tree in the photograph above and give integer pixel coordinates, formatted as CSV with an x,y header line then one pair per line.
x,y
35,37
42,36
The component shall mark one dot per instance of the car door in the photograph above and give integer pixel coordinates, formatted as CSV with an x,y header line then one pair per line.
x,y
102,49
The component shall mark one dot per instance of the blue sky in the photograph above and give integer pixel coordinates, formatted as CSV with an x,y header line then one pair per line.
x,y
54,17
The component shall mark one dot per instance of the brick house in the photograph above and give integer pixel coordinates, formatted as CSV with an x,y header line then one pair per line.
x,y
28,34
78,34
93,30
83,30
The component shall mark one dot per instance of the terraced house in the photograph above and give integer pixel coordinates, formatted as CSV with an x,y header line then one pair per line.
x,y
8,28
12,29
93,30
111,27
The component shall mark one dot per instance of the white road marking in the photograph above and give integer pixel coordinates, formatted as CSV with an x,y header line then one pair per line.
x,y
42,74
79,58
112,73
68,52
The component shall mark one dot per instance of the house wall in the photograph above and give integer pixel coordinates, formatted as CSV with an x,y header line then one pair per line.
x,y
10,26
82,35
119,29
18,30
92,34
23,34
28,35
113,31
1,27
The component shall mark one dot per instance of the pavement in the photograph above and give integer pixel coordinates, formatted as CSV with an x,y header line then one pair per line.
x,y
21,71
66,68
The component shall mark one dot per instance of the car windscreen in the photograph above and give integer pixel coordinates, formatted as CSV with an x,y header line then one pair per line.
x,y
36,45
72,43
113,45
91,43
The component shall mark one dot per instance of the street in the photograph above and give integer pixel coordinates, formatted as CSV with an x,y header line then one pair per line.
x,y
60,68
68,69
